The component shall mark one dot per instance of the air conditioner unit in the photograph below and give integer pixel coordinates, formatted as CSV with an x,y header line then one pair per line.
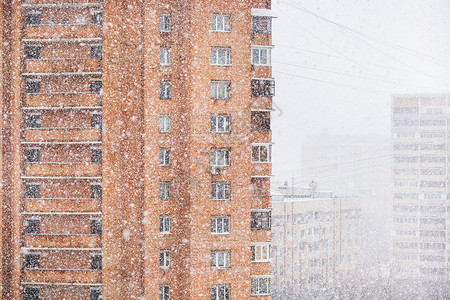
x,y
215,170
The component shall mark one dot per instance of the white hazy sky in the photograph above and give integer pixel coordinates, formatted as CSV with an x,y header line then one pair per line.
x,y
337,62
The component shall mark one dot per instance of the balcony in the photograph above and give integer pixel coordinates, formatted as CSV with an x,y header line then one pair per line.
x,y
63,241
62,205
65,169
62,99
62,135
62,31
57,276
62,65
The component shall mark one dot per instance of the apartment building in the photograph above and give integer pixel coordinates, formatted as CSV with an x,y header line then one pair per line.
x,y
315,243
136,149
420,204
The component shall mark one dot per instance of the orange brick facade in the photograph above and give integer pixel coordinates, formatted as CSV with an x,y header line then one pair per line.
x,y
95,155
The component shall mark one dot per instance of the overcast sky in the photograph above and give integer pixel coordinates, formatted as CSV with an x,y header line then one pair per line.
x,y
337,62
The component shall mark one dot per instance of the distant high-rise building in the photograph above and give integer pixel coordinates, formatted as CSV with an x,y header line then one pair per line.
x,y
136,149
315,244
420,130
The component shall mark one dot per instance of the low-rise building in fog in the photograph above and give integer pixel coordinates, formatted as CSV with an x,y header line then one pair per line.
x,y
315,242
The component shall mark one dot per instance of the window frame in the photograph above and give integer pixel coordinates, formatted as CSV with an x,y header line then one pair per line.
x,y
257,27
263,247
259,225
164,157
259,49
225,224
165,123
164,190
164,292
164,224
220,18
263,87
219,154
164,259
165,56
215,259
258,285
215,121
216,54
257,148
163,17
165,90
220,89
216,293
260,121
220,187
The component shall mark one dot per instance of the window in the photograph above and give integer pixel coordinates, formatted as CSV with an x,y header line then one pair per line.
x,y
260,286
164,56
220,224
262,24
220,157
97,18
165,90
96,191
220,259
33,155
96,293
33,190
164,259
164,22
220,292
220,56
96,86
96,155
260,252
220,191
164,224
220,22
164,292
220,89
96,226
33,19
260,120
261,153
96,52
31,293
33,121
164,157
260,220
261,56
33,52
32,261
263,88
96,120
32,226
220,123
96,261
164,190
164,123
33,86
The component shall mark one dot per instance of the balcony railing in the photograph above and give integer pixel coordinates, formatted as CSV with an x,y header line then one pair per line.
x,y
83,205
73,276
66,169
62,99
63,241
62,65
63,31
62,134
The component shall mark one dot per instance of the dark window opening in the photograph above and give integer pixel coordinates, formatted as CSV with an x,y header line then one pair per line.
x,y
96,226
263,88
33,19
96,262
96,191
96,52
33,155
33,86
260,120
31,293
33,52
32,261
97,18
32,226
33,191
96,120
96,155
96,86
